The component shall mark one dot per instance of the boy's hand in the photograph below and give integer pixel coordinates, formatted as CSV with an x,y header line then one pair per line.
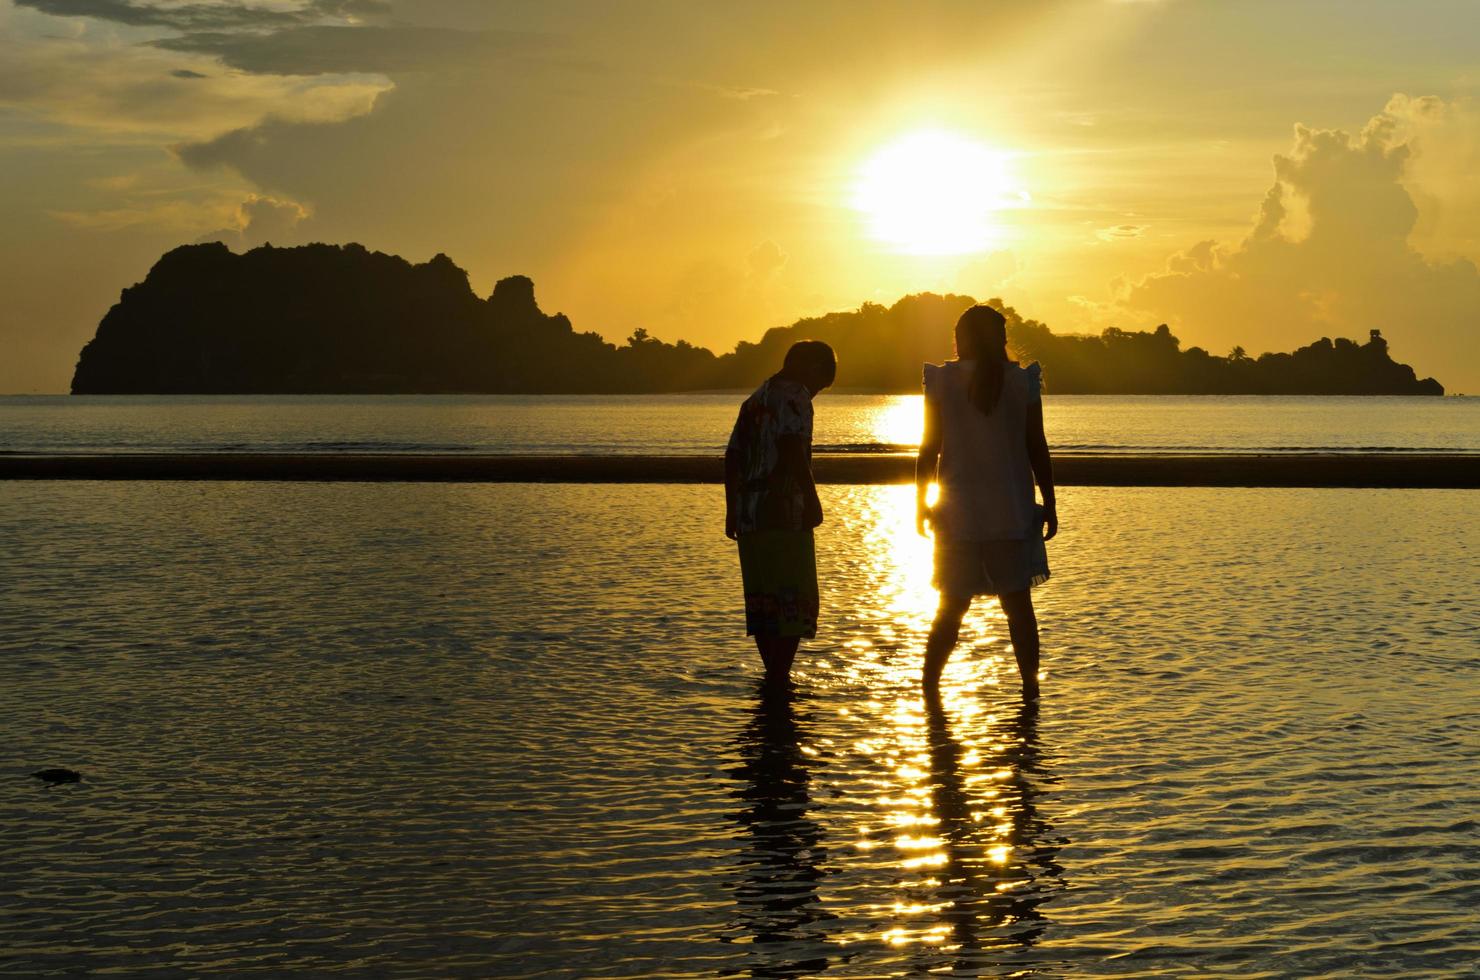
x,y
729,524
812,513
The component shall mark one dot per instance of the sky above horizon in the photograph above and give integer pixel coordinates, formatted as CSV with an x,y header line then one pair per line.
x,y
1257,173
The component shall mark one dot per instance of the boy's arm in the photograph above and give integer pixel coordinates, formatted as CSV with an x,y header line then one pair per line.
x,y
732,490
792,463
732,483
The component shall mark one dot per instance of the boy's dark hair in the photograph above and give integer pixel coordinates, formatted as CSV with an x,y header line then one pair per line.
x,y
812,354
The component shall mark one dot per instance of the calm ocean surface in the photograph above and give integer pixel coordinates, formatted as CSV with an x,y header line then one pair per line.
x,y
681,424
502,730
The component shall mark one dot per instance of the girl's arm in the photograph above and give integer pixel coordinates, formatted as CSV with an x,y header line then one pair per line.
x,y
925,461
1042,465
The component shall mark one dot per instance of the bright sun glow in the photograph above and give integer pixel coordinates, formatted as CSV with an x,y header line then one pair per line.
x,y
935,192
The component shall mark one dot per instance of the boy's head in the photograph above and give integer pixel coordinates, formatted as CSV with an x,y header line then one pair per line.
x,y
811,363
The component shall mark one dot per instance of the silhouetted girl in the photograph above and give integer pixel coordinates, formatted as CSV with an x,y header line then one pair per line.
x,y
771,504
984,445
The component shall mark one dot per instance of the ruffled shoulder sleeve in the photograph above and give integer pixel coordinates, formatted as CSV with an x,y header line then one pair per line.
x,y
1034,372
934,380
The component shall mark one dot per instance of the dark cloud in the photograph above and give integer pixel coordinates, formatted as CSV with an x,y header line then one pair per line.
x,y
187,73
318,37
325,49
207,16
236,149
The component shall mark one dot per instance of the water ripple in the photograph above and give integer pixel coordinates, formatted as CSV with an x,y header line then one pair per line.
x,y
514,731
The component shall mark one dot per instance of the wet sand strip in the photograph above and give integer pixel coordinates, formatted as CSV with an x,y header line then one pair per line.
x,y
1392,470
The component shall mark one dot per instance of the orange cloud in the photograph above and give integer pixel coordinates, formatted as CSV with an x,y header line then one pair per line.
x,y
1329,252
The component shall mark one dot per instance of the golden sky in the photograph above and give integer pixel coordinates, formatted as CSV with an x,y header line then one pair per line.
x,y
1254,173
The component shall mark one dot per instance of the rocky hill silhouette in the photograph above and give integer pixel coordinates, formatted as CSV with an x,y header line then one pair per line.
x,y
343,319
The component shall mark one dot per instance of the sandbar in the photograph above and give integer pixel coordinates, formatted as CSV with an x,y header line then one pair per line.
x,y
1392,470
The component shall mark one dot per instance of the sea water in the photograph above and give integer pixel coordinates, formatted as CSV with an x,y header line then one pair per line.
x,y
688,424
501,730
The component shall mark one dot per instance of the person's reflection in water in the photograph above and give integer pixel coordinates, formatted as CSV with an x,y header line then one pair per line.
x,y
1000,860
779,869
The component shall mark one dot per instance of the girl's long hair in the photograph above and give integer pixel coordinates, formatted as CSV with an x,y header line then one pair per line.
x,y
981,336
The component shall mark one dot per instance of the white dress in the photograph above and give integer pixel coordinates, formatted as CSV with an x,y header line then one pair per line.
x,y
988,535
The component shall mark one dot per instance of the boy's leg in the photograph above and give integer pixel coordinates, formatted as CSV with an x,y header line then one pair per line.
x,y
943,634
763,647
1022,624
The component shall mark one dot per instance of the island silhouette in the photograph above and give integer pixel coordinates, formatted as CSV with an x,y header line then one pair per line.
x,y
341,319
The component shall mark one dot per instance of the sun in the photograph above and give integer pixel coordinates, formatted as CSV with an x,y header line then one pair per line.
x,y
935,192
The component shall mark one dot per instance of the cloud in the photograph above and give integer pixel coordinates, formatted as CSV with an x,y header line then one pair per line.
x,y
989,274
318,37
115,182
314,61
1329,252
240,223
269,219
765,260
1120,232
740,93
260,219
514,162
323,49
1442,172
225,15
175,216
126,92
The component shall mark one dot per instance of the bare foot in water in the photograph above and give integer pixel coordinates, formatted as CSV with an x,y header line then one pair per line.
x,y
930,689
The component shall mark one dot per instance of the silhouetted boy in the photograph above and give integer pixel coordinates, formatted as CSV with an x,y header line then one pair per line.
x,y
771,504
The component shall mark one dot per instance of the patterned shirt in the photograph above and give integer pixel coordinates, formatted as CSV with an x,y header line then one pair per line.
x,y
769,500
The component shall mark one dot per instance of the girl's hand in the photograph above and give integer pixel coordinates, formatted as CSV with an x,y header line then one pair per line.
x,y
1050,516
729,524
922,515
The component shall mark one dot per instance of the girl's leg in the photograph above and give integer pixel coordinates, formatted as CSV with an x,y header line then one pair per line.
x,y
783,653
1022,624
777,653
943,633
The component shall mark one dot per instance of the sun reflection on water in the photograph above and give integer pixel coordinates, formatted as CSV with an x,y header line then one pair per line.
x,y
954,781
898,421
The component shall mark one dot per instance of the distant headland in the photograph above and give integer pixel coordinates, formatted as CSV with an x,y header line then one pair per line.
x,y
340,319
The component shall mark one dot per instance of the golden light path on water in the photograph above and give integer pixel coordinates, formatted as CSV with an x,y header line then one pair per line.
x,y
516,730
897,421
949,803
